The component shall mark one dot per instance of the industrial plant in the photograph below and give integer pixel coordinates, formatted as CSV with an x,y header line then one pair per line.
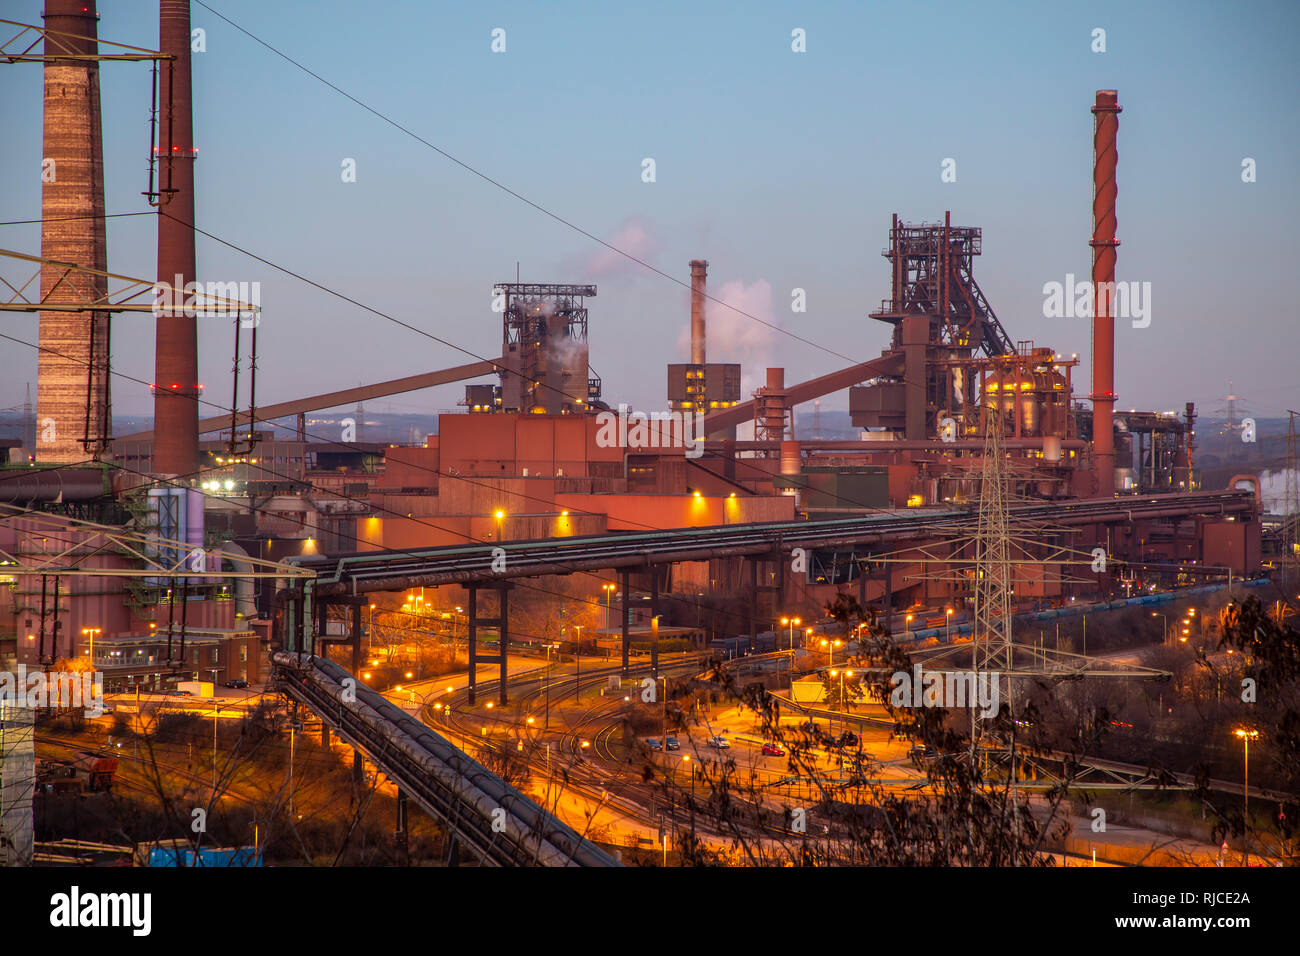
x,y
578,560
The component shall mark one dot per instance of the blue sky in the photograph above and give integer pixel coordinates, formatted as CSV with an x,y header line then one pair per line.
x,y
781,168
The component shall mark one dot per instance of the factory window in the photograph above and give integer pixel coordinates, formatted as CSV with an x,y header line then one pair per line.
x,y
195,655
216,655
243,654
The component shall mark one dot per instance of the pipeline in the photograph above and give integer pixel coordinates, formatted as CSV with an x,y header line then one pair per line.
x,y
496,822
53,484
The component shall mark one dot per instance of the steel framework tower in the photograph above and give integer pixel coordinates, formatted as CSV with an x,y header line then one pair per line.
x,y
933,274
991,644
544,348
1291,504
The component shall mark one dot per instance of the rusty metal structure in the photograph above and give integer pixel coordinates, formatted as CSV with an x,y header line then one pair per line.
x,y
959,423
932,274
543,466
176,351
1104,245
950,360
544,348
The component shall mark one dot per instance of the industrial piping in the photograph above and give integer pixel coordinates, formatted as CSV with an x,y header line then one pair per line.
x,y
176,349
1106,124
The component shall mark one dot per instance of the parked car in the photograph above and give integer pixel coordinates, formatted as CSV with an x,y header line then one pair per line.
x,y
237,683
670,743
719,743
772,750
654,743
848,739
923,754
180,693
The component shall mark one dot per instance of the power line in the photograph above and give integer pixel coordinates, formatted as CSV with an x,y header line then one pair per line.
x,y
524,199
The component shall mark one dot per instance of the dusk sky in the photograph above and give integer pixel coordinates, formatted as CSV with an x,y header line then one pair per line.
x,y
780,168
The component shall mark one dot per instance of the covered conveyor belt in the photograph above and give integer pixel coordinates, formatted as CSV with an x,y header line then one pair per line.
x,y
492,819
394,570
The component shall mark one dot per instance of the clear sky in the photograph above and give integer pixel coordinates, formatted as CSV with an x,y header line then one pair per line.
x,y
781,168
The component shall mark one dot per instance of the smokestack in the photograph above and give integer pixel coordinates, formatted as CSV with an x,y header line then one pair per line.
x,y
72,400
1106,124
699,272
176,352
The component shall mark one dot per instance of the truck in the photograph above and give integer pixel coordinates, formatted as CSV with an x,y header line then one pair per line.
x,y
86,772
96,770
198,688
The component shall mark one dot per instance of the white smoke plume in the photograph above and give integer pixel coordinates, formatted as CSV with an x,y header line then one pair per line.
x,y
636,236
732,337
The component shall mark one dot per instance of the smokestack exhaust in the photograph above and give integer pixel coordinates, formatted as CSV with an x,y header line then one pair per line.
x,y
1106,124
699,273
176,351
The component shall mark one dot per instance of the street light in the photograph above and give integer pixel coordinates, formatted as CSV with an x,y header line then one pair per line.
x,y
216,714
609,592
92,631
1246,737
841,675
687,760
830,650
577,660
907,626
793,622
947,625
1165,623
